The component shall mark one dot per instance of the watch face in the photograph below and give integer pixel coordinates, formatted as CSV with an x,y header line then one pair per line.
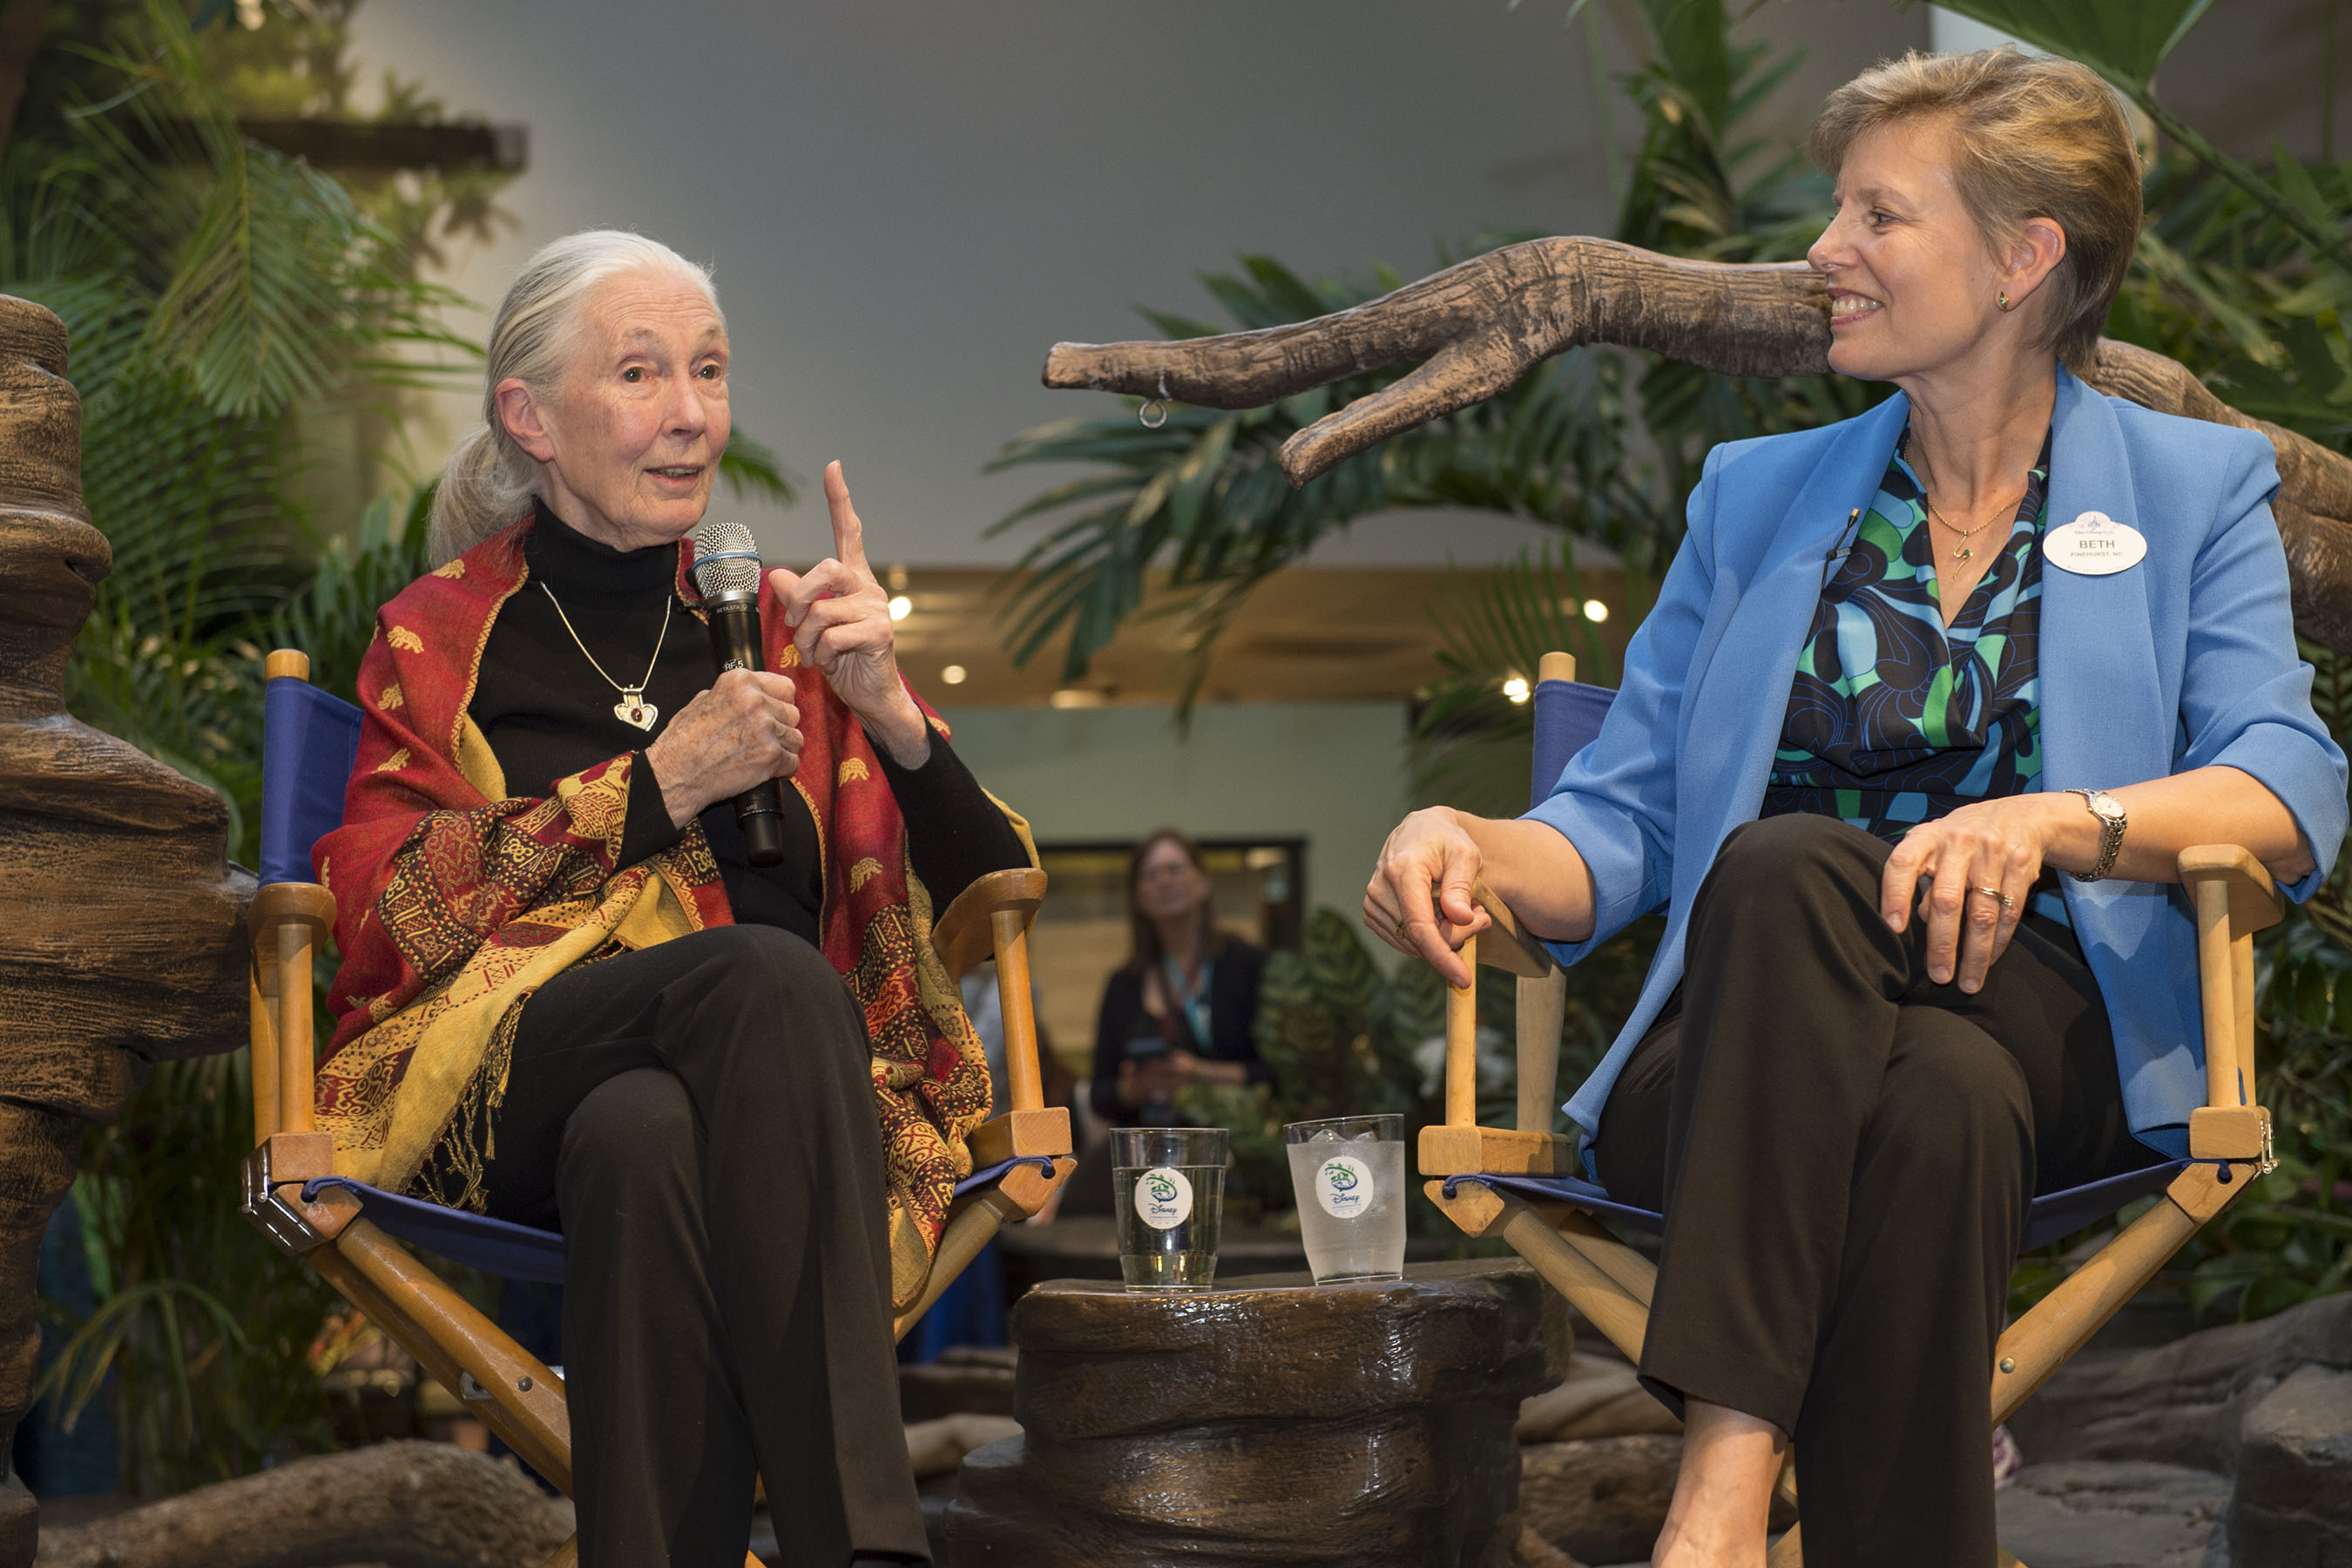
x,y
2108,807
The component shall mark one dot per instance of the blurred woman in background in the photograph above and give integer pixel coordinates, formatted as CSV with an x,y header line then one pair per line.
x,y
1184,1008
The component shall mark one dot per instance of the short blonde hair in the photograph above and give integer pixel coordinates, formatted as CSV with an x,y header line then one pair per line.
x,y
489,479
2030,138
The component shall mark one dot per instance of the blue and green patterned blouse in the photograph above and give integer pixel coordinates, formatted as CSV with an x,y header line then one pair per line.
x,y
1896,719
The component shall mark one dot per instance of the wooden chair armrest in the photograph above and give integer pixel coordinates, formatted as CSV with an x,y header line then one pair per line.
x,y
990,918
2254,900
289,922
965,935
2234,897
1017,1133
1506,945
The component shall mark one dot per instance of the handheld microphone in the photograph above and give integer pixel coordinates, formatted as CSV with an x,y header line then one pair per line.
x,y
727,575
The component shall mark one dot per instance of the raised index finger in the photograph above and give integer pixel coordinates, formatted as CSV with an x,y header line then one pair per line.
x,y
848,533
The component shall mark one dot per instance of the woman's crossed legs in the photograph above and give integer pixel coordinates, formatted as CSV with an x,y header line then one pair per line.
x,y
700,1117
1845,1152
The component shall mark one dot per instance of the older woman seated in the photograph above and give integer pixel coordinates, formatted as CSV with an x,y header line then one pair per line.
x,y
1983,661
569,998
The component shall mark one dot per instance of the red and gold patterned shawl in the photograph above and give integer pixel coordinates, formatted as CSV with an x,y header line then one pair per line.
x,y
454,900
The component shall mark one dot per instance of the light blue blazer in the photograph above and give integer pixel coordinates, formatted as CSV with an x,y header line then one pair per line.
x,y
2184,661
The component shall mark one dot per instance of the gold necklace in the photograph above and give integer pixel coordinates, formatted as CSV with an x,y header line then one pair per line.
x,y
1960,552
633,708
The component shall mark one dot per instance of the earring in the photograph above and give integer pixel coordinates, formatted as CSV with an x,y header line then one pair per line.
x,y
2003,300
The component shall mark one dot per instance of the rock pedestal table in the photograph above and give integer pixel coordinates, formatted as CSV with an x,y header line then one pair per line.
x,y
122,929
1266,1421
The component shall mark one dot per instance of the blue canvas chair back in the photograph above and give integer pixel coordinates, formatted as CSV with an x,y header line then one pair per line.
x,y
308,742
1569,714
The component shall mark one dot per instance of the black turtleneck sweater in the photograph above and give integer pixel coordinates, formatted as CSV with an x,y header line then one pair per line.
x,y
548,714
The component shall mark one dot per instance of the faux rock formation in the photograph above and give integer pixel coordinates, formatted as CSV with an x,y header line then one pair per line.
x,y
2112,1514
1266,1423
2291,1506
2185,1403
406,1505
120,928
1600,1500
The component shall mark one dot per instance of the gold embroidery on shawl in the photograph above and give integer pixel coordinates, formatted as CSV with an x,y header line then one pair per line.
x,y
865,871
852,770
599,808
824,850
790,657
405,640
389,698
395,762
455,569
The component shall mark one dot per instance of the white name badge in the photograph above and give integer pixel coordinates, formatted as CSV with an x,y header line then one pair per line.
x,y
2095,546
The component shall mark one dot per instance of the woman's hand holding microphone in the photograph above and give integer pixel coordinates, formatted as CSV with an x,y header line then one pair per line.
x,y
745,729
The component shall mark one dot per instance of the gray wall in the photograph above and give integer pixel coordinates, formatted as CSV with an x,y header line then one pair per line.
x,y
907,202
1330,772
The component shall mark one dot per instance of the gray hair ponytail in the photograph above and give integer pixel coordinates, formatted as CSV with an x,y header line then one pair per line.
x,y
490,478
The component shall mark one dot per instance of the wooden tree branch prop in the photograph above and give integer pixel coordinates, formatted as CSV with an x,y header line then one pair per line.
x,y
122,930
1481,325
407,1505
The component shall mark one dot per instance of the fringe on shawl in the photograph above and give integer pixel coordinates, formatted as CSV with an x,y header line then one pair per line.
x,y
456,1175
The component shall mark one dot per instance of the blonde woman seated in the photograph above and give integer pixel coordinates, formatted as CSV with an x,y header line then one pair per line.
x,y
569,999
1930,704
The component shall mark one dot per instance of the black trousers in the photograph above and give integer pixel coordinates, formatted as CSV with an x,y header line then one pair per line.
x,y
1845,1152
698,1118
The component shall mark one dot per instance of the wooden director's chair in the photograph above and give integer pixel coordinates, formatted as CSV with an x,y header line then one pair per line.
x,y
346,1230
1522,1184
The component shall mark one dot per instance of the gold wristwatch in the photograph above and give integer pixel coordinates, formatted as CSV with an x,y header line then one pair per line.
x,y
2112,822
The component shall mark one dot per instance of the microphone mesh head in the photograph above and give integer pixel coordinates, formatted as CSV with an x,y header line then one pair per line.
x,y
726,561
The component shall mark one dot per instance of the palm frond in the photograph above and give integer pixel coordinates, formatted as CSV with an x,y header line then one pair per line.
x,y
752,470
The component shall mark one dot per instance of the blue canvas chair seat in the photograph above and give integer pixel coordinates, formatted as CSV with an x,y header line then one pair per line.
x,y
518,1251
2052,1217
1522,1184
347,1230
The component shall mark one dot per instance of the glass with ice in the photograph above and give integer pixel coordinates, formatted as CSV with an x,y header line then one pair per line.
x,y
1167,1187
1349,1174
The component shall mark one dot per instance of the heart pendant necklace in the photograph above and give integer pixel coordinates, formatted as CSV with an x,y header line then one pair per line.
x,y
633,708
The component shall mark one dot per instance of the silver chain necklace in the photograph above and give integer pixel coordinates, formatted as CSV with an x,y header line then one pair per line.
x,y
633,708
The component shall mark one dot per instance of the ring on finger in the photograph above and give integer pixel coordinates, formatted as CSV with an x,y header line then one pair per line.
x,y
2007,902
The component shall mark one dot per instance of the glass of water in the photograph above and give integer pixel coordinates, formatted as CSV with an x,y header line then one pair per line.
x,y
1167,1186
1349,1174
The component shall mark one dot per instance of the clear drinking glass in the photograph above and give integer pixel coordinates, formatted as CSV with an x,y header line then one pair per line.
x,y
1349,1174
1167,1186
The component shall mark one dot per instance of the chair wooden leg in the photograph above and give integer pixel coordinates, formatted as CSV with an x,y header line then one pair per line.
x,y
969,1229
1622,1316
1788,1551
2062,1322
444,1331
566,1555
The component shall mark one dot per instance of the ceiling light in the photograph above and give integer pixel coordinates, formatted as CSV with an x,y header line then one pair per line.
x,y
1516,688
1594,610
901,607
1078,696
952,675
